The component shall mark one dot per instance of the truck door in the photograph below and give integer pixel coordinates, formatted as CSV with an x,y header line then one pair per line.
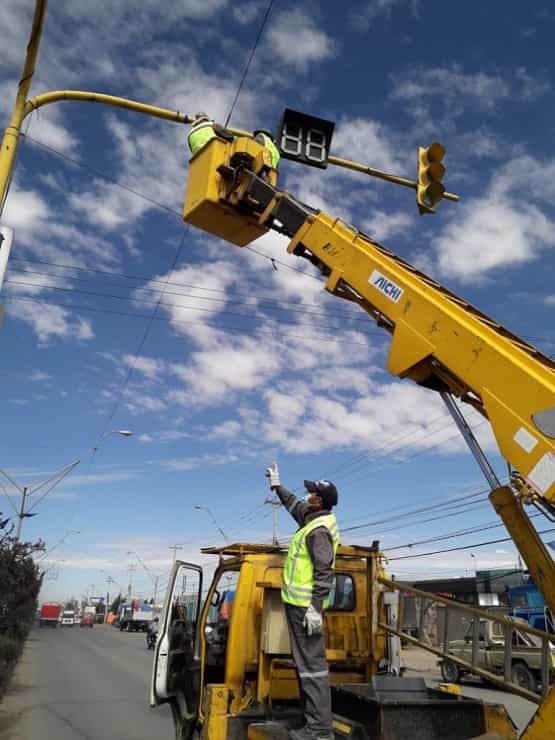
x,y
176,667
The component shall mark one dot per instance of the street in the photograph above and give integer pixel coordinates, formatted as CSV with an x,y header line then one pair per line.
x,y
77,683
92,684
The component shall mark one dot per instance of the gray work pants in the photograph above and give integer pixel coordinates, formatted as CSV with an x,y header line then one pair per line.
x,y
309,655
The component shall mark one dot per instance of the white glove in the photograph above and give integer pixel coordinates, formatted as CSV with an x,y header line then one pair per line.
x,y
313,621
273,474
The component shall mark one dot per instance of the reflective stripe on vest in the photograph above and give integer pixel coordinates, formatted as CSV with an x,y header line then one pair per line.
x,y
200,135
298,572
272,148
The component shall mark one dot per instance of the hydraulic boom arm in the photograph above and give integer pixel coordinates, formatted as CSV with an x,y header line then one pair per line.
x,y
438,340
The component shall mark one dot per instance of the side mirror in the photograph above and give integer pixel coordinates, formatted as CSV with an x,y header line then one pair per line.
x,y
216,599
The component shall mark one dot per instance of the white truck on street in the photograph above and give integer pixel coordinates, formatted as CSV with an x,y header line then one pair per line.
x,y
135,616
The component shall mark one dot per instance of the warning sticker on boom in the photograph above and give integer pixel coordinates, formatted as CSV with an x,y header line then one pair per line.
x,y
385,286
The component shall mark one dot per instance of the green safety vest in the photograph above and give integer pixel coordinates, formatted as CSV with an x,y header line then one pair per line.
x,y
272,148
298,573
200,135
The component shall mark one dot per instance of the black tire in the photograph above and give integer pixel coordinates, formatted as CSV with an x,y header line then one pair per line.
x,y
523,676
90,625
129,627
450,672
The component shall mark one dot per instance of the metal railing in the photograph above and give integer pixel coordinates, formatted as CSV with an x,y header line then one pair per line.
x,y
509,625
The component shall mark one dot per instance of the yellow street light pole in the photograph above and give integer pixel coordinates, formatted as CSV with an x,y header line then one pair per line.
x,y
11,136
24,106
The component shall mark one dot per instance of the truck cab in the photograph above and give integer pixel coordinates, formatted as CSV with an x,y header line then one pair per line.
x,y
222,660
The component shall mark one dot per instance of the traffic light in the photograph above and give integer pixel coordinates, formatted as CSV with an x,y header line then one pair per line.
x,y
430,189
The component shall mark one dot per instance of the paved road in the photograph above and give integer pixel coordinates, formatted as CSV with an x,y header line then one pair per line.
x,y
83,684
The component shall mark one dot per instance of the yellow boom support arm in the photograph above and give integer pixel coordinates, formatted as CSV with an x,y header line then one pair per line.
x,y
438,340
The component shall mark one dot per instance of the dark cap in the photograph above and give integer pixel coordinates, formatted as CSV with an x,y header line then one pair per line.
x,y
325,489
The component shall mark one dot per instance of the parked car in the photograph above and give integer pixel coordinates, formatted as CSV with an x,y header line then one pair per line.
x,y
87,620
526,655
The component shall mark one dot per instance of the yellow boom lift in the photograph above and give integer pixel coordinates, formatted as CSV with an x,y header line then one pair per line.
x,y
232,677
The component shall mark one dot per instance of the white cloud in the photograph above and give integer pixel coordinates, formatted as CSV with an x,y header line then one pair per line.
x,y
203,461
49,322
38,376
382,225
150,367
549,300
363,17
456,90
247,11
499,228
362,138
295,39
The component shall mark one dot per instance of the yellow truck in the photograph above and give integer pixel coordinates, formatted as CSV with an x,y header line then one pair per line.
x,y
228,673
240,681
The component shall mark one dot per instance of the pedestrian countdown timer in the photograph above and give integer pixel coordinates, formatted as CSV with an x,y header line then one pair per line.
x,y
305,138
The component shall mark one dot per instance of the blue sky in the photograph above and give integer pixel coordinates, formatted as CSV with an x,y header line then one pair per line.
x,y
244,364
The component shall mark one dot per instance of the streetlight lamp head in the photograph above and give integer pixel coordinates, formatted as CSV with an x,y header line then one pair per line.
x,y
196,506
124,432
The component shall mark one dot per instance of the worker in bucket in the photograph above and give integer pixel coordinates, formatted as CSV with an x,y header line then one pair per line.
x,y
203,129
266,138
307,581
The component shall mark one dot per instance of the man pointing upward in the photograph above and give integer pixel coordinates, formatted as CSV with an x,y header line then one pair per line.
x,y
307,581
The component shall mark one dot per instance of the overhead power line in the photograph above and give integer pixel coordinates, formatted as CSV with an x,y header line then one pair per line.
x,y
152,201
225,328
463,547
249,61
173,304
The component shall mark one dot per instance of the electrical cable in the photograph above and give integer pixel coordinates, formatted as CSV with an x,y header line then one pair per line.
x,y
249,60
143,339
224,328
172,304
254,302
156,203
452,535
463,547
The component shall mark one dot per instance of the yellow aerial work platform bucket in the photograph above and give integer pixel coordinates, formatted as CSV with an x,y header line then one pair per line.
x,y
209,196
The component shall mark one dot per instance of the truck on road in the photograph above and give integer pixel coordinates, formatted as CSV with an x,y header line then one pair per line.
x,y
68,618
50,615
135,617
526,655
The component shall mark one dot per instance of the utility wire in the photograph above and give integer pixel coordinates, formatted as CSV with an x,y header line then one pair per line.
x,y
463,547
225,328
156,203
174,284
249,60
172,304
144,337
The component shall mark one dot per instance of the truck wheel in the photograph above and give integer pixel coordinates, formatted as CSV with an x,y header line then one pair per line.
x,y
450,672
522,676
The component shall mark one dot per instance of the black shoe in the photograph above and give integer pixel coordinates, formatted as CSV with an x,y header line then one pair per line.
x,y
307,733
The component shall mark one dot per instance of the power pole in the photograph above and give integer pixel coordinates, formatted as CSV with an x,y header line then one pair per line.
x,y
155,594
22,514
175,548
275,503
109,582
131,569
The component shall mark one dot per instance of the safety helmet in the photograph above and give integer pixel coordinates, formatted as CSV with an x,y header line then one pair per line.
x,y
264,131
325,489
199,117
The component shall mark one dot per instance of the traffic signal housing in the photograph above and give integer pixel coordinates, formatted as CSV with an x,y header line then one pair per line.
x,y
430,188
